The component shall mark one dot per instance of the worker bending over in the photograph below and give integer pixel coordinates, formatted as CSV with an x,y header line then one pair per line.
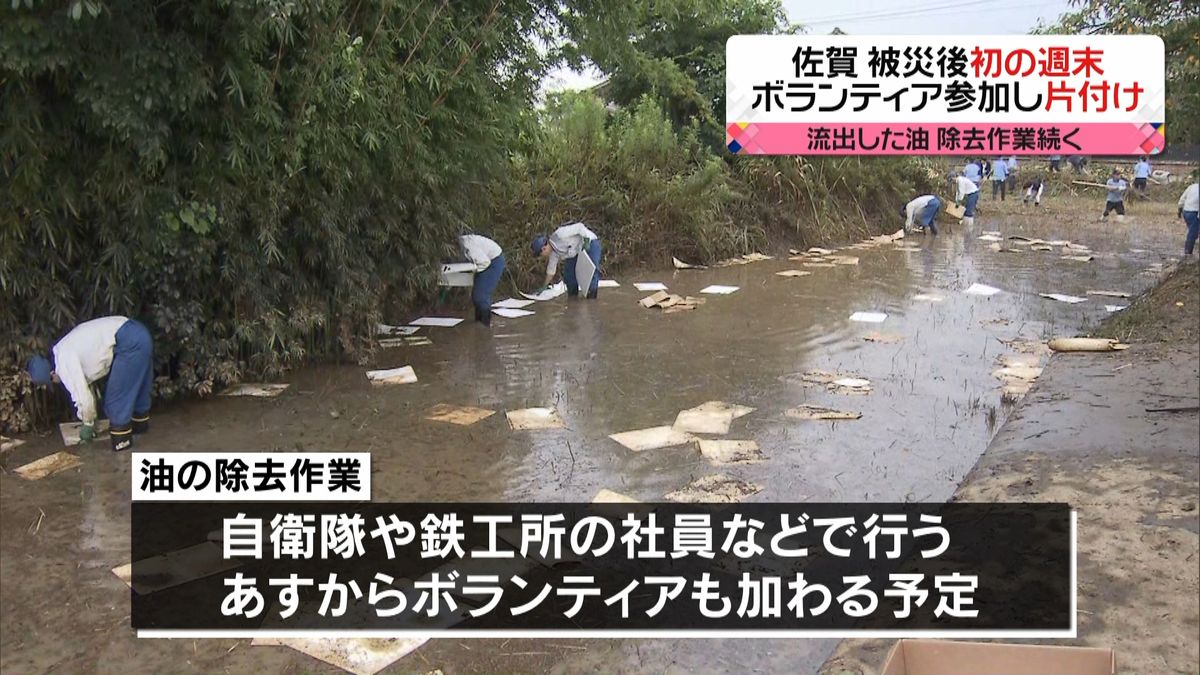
x,y
1033,192
115,346
488,258
564,244
922,213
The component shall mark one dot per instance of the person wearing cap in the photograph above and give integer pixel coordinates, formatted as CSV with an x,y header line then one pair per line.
x,y
488,258
1115,199
565,243
967,194
922,212
115,346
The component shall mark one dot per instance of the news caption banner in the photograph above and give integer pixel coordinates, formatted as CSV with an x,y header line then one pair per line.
x,y
289,545
945,95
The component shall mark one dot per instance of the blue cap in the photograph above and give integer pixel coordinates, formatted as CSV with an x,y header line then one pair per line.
x,y
539,242
39,370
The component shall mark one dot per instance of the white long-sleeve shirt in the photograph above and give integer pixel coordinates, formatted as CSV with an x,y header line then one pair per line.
x,y
567,242
1190,199
916,206
966,186
480,250
83,356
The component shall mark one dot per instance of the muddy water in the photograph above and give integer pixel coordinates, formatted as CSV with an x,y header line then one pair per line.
x,y
609,366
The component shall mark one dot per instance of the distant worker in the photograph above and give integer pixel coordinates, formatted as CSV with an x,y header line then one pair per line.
x,y
1189,210
565,243
1055,163
1077,162
973,171
999,177
115,346
967,194
1141,173
488,258
1115,199
922,213
1033,192
1011,164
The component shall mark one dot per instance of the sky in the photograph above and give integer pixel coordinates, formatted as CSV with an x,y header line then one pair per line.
x,y
877,17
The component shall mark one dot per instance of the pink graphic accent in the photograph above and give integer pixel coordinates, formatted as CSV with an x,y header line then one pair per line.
x,y
791,138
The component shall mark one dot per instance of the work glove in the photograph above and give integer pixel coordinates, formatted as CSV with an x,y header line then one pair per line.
x,y
87,433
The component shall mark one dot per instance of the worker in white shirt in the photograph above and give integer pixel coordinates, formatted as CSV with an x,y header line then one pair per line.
x,y
565,243
488,258
115,346
967,194
921,212
1189,210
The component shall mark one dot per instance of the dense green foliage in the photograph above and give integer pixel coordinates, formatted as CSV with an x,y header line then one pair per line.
x,y
675,54
261,181
255,179
1177,22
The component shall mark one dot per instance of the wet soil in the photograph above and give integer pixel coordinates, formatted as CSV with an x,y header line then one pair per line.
x,y
1084,435
607,366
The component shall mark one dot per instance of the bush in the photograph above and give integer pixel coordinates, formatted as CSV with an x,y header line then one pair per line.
x,y
255,180
653,191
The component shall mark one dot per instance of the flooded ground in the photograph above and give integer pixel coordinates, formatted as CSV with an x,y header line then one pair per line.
x,y
607,367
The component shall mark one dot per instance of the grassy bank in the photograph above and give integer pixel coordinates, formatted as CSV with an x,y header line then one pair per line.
x,y
1168,313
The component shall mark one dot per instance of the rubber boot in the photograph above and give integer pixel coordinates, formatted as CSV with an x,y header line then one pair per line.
x,y
122,438
141,423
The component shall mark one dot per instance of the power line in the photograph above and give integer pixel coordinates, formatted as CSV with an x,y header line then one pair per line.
x,y
944,12
871,14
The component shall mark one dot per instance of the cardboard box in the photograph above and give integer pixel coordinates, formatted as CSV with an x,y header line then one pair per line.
x,y
952,657
953,212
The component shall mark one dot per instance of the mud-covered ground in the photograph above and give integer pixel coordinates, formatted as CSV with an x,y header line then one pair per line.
x,y
1084,436
612,366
